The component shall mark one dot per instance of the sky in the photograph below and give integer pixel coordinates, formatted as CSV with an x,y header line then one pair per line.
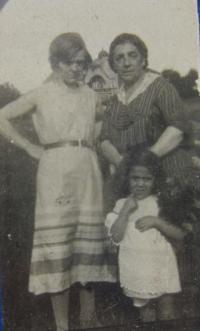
x,y
169,28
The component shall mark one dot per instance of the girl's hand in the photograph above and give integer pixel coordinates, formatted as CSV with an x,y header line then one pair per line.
x,y
35,151
130,205
146,223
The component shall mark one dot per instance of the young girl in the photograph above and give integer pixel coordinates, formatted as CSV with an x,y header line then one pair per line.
x,y
147,262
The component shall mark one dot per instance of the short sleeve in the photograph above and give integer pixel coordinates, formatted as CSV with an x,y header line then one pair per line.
x,y
172,107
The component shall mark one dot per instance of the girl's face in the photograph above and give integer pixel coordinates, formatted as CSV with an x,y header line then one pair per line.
x,y
72,71
128,63
141,182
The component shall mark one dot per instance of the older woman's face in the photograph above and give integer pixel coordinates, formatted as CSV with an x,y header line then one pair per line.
x,y
128,63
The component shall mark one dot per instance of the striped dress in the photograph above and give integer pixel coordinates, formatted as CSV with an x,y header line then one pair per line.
x,y
153,107
70,241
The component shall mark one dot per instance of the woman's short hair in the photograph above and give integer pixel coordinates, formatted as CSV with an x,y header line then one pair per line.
x,y
132,39
65,46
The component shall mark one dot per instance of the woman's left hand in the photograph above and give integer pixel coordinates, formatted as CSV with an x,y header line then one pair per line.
x,y
146,223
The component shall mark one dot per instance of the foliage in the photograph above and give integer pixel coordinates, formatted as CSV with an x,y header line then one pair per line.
x,y
17,199
185,85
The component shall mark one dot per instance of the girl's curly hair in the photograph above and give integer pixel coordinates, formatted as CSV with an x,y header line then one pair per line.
x,y
137,156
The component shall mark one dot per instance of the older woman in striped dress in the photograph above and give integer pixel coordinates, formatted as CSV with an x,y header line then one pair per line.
x,y
147,111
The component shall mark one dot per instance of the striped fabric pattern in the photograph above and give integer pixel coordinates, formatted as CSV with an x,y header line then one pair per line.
x,y
143,120
70,241
86,241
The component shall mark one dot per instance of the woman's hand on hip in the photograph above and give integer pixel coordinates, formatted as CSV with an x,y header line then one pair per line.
x,y
35,151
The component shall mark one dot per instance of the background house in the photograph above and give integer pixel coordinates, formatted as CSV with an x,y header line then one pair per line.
x,y
101,78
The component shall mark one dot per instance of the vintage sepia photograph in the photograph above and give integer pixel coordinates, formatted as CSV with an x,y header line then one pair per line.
x,y
99,165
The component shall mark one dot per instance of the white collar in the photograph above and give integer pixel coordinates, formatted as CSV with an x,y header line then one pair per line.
x,y
147,80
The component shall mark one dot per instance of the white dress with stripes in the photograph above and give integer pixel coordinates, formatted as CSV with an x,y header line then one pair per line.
x,y
69,239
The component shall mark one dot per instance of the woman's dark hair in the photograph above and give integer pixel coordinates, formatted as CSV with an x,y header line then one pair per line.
x,y
65,46
132,39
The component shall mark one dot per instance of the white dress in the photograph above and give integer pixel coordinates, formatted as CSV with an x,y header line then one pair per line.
x,y
70,238
147,262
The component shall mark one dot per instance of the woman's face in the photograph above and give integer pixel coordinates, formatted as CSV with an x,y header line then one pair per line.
x,y
128,63
73,71
141,182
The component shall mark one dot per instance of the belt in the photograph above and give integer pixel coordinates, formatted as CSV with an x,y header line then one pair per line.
x,y
75,143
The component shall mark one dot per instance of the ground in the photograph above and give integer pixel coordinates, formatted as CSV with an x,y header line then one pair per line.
x,y
115,312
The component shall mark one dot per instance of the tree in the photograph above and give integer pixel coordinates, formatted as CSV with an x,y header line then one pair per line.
x,y
17,198
185,85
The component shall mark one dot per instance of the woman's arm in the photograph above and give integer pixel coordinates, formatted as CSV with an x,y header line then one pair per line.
x,y
173,113
15,109
169,230
99,108
111,153
168,141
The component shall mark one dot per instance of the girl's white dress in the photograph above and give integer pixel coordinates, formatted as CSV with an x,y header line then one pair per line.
x,y
147,262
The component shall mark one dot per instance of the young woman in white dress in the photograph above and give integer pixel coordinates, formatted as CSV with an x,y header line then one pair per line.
x,y
69,238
